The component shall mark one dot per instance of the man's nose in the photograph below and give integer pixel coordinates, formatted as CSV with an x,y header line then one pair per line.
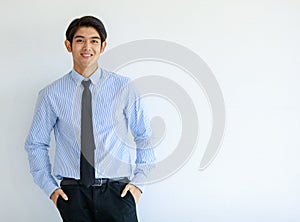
x,y
86,45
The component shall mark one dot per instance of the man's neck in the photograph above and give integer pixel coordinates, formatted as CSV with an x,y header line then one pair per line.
x,y
87,72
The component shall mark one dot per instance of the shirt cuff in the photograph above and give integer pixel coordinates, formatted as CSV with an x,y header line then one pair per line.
x,y
139,186
139,180
50,188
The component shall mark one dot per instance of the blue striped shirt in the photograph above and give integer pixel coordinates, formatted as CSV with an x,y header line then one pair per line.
x,y
121,130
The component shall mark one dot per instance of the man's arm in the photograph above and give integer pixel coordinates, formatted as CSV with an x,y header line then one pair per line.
x,y
140,128
139,124
37,144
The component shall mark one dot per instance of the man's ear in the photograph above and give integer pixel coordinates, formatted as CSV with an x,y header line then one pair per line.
x,y
68,45
103,46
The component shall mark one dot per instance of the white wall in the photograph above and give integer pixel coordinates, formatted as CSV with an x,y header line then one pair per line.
x,y
252,48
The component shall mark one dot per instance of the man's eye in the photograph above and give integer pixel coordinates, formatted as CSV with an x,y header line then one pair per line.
x,y
96,41
79,40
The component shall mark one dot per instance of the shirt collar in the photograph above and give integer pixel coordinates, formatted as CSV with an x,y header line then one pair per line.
x,y
95,77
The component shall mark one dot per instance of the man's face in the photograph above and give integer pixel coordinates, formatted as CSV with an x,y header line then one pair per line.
x,y
86,48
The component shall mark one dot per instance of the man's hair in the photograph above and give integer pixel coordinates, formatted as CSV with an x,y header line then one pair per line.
x,y
86,21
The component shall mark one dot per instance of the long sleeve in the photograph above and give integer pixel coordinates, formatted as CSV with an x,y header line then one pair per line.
x,y
37,144
139,124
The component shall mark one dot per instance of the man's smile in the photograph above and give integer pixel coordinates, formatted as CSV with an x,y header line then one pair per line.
x,y
86,55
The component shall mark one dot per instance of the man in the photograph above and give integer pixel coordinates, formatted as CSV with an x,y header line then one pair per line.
x,y
93,112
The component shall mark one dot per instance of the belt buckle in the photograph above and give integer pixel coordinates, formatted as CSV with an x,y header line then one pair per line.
x,y
98,184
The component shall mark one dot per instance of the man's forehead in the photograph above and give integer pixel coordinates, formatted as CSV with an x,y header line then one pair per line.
x,y
86,32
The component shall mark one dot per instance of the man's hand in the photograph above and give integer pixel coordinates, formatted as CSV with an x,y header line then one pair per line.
x,y
58,192
136,192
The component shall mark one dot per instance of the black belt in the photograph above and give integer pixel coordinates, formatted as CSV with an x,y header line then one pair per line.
x,y
97,183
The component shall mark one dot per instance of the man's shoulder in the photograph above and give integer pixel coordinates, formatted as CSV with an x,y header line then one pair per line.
x,y
116,78
58,84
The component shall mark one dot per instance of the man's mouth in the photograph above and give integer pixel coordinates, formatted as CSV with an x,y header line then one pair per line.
x,y
86,55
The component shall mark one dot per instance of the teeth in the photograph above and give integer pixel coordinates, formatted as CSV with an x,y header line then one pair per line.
x,y
87,55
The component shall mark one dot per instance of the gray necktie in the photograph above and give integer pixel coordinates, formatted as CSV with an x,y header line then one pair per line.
x,y
87,171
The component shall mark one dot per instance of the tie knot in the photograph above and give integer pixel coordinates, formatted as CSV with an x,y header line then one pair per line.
x,y
86,84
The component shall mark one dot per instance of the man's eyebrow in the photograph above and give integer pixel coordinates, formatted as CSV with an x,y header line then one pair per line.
x,y
93,37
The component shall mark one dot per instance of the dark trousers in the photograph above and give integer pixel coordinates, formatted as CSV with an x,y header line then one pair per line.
x,y
97,204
